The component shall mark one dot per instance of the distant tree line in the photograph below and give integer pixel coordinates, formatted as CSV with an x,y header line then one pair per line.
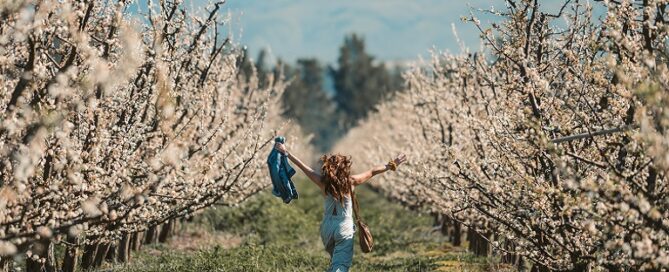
x,y
358,82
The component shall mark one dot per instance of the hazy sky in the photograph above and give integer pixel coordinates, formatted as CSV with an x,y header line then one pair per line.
x,y
393,29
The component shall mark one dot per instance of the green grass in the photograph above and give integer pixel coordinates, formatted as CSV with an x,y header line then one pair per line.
x,y
272,236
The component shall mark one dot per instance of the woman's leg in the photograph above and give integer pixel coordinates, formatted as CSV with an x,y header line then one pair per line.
x,y
329,247
327,236
342,255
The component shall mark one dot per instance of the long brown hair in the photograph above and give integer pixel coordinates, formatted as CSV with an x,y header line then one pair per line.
x,y
336,172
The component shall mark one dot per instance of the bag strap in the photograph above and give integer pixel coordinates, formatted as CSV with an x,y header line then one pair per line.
x,y
356,207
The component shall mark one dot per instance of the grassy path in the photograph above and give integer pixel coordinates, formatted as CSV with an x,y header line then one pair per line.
x,y
264,234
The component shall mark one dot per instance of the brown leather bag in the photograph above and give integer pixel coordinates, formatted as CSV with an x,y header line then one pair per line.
x,y
366,239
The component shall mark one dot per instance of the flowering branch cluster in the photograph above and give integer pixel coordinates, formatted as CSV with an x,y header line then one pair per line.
x,y
111,124
551,143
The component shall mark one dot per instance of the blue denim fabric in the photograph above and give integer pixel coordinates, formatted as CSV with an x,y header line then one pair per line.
x,y
281,173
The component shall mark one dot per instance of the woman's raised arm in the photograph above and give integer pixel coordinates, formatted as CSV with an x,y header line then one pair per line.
x,y
314,176
364,176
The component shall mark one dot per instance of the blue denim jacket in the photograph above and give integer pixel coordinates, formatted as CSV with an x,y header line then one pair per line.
x,y
281,172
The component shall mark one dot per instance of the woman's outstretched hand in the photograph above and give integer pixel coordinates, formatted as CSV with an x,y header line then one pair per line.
x,y
281,148
401,158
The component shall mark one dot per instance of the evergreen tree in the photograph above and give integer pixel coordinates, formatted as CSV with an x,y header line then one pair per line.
x,y
261,68
245,65
359,82
306,102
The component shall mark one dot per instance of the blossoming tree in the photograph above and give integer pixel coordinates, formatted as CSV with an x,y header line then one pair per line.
x,y
112,126
550,143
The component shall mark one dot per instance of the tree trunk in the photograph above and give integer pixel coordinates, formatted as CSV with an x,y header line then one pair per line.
x,y
133,240
445,226
452,229
124,247
586,267
88,259
43,249
137,239
100,255
32,265
6,264
478,244
176,227
456,234
509,257
166,231
51,263
484,244
150,237
437,219
520,266
539,268
70,261
111,254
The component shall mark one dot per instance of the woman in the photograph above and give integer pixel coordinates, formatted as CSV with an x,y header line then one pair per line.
x,y
337,183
